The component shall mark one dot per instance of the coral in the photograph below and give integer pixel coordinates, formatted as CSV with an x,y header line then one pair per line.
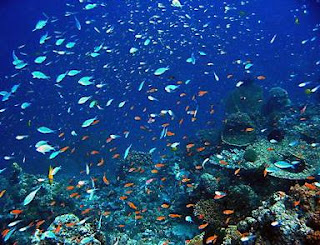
x,y
197,240
277,101
268,154
72,231
209,183
250,155
288,229
235,130
308,200
210,211
231,235
245,99
243,197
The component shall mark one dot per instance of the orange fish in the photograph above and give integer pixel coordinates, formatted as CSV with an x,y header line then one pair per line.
x,y
198,167
85,137
121,226
202,93
70,224
165,205
154,171
105,180
70,187
86,211
131,205
122,198
310,186
137,118
101,162
160,218
138,217
116,156
189,146
74,194
39,223
211,239
184,180
237,171
94,152
201,227
175,215
58,228
64,149
129,184
249,129
296,203
190,205
200,149
5,232
169,133
16,211
270,149
2,193
95,122
223,162
61,135
261,77
159,165
228,211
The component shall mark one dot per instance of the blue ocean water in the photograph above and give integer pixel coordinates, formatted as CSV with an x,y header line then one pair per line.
x,y
279,38
241,33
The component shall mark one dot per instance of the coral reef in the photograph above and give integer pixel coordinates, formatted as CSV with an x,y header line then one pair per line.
x,y
246,99
274,223
277,101
68,229
238,130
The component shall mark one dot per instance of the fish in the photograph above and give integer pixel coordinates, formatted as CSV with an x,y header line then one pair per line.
x,y
78,25
88,122
45,130
171,88
40,24
160,71
39,75
9,234
141,86
40,59
228,211
127,152
283,164
273,39
25,105
85,81
211,239
29,198
201,227
216,77
132,205
50,175
84,99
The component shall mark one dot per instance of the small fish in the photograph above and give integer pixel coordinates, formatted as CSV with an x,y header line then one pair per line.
x,y
127,152
29,198
45,130
88,122
201,227
85,81
160,71
78,25
216,77
39,75
273,38
283,164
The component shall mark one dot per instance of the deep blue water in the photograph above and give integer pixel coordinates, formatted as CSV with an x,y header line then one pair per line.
x,y
286,63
